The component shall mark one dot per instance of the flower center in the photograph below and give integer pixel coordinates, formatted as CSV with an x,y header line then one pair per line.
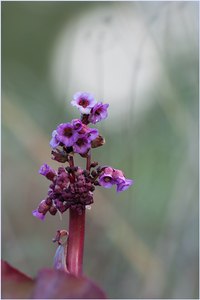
x,y
67,132
107,179
83,102
80,142
98,112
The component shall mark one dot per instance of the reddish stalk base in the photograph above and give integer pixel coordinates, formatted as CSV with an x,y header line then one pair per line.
x,y
75,242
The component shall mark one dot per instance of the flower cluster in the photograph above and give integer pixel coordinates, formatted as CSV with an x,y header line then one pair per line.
x,y
77,134
72,187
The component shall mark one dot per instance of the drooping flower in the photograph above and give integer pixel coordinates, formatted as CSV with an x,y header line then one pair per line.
x,y
47,171
55,140
124,185
118,176
84,102
66,134
106,178
41,211
38,215
98,112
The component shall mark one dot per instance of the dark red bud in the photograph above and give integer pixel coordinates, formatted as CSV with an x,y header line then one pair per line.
x,y
98,142
53,210
43,207
94,164
96,182
94,173
60,156
48,201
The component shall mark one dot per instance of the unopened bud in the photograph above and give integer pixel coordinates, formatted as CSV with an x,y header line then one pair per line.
x,y
94,173
98,142
48,201
43,207
53,210
94,164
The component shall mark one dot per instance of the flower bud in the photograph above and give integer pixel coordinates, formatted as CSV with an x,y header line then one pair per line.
x,y
98,142
53,210
43,207
60,156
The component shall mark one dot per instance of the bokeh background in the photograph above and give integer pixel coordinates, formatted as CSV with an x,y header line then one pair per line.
x,y
142,59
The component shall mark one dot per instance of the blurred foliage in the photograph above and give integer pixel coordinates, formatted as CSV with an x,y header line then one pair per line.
x,y
142,243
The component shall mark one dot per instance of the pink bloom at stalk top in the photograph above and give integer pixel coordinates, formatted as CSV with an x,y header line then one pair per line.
x,y
84,102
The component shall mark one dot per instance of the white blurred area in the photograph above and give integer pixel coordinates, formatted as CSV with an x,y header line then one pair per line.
x,y
107,51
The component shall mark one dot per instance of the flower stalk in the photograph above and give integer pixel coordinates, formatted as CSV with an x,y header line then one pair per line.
x,y
72,188
76,242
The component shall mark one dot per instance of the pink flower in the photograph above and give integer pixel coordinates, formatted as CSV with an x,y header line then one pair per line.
x,y
66,134
124,185
98,113
84,102
106,178
54,140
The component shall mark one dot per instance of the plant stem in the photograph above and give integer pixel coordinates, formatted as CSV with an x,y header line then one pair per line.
x,y
75,242
75,245
88,161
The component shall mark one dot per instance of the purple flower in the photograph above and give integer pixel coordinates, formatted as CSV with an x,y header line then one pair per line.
x,y
98,112
77,124
93,133
124,185
47,171
54,141
38,215
66,133
118,176
106,178
83,101
82,145
110,176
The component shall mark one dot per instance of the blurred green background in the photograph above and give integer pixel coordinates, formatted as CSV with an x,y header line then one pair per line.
x,y
142,58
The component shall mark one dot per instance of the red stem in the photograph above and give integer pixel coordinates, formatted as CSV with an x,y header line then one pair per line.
x,y
75,242
75,245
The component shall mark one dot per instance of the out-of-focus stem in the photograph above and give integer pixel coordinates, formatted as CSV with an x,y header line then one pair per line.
x,y
88,162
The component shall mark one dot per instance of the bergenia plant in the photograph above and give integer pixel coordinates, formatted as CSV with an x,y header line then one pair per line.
x,y
71,187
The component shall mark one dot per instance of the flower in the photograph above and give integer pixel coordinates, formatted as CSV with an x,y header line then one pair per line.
x,y
86,136
118,176
77,124
41,211
106,178
98,112
47,171
84,102
93,133
66,133
54,141
110,176
124,185
38,215
82,145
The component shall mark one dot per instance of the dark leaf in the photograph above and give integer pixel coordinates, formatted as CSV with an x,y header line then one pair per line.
x,y
49,284
56,284
15,284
